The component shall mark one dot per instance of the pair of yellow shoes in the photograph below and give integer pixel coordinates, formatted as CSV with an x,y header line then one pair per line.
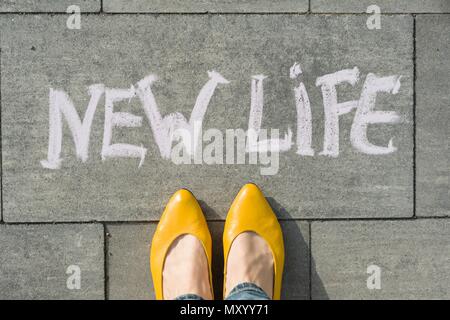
x,y
250,212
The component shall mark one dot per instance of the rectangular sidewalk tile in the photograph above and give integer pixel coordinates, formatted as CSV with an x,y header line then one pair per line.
x,y
413,258
48,5
128,264
129,269
433,115
386,6
233,6
42,58
47,261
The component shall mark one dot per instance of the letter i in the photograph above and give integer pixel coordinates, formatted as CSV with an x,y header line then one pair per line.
x,y
304,118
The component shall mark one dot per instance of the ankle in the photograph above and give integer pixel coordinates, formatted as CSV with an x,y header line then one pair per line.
x,y
186,269
250,260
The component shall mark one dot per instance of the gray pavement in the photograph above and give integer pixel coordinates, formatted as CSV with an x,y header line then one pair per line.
x,y
362,218
37,261
192,6
183,49
129,274
386,6
433,113
45,6
410,254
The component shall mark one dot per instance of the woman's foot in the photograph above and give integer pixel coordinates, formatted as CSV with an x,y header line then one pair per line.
x,y
186,269
250,260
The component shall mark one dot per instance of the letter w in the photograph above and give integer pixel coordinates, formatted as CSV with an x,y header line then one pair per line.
x,y
167,129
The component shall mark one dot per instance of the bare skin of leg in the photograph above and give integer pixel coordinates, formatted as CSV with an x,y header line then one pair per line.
x,y
250,260
186,269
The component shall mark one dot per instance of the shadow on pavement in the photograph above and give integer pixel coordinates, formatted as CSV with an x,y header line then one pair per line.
x,y
300,268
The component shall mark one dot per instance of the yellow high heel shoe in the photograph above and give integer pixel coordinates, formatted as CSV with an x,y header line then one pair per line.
x,y
182,216
250,212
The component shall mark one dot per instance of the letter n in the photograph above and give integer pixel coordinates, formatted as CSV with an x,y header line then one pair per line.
x,y
61,105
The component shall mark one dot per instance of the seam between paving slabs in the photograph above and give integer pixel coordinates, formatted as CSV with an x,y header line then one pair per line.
x,y
102,13
216,220
310,259
1,142
105,261
414,118
382,13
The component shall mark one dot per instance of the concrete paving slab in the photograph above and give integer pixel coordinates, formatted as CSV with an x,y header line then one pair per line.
x,y
413,258
386,6
128,260
42,58
128,263
51,261
229,6
48,5
433,115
